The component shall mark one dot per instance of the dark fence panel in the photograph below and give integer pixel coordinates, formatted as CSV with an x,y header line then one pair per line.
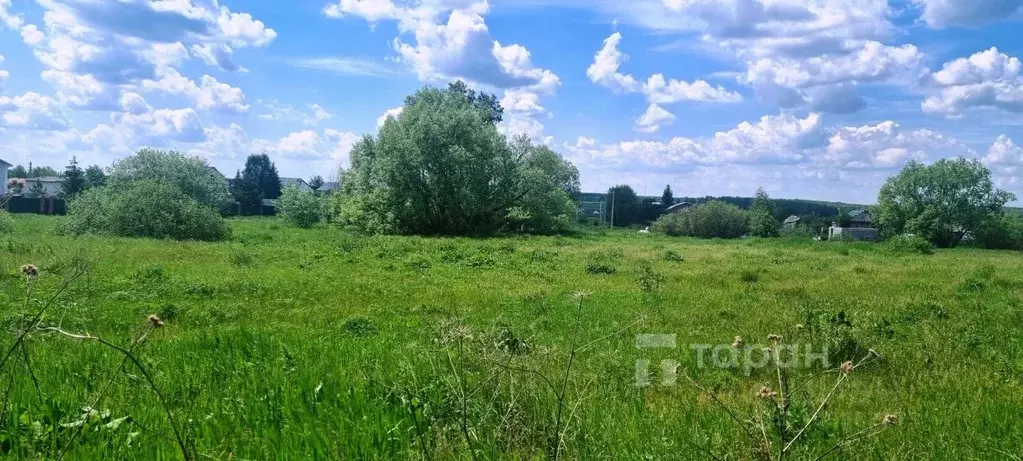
x,y
38,205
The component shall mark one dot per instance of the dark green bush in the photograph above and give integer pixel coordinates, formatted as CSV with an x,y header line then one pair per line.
x,y
713,219
144,209
1001,233
909,244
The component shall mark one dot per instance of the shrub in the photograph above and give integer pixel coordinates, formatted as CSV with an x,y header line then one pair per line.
x,y
707,220
191,175
797,231
6,222
144,209
1001,233
673,256
300,209
909,244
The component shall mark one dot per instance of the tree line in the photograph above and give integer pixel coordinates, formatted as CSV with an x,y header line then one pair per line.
x,y
442,167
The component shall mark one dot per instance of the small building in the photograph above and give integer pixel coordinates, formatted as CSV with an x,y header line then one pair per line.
x,y
3,176
791,221
297,182
860,218
679,207
45,187
852,233
859,228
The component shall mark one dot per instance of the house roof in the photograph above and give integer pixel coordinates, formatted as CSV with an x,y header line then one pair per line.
x,y
293,182
328,186
791,219
46,179
855,213
5,164
679,206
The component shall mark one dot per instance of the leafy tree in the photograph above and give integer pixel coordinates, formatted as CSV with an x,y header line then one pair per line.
x,y
144,208
41,172
300,209
667,197
941,202
486,103
74,179
713,219
762,222
17,172
316,182
623,205
442,167
547,187
259,180
95,177
191,175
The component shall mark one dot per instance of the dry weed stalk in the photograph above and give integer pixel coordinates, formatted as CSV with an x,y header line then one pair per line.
x,y
778,402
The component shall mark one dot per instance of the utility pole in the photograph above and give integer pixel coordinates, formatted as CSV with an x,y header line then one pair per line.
x,y
612,208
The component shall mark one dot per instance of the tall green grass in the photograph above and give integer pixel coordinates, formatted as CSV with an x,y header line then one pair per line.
x,y
294,343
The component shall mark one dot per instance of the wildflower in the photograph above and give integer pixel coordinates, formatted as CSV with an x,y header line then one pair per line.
x,y
774,338
738,343
581,294
890,420
847,367
155,321
30,270
766,393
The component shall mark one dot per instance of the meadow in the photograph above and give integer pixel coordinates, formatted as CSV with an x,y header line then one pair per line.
x,y
319,344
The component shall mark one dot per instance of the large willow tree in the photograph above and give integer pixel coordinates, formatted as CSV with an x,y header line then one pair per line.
x,y
442,167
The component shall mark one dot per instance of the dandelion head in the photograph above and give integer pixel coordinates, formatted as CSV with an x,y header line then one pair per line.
x,y
30,270
773,338
581,294
847,367
890,420
738,343
766,393
155,321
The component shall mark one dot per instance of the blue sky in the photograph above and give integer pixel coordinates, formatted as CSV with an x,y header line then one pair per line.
x,y
818,99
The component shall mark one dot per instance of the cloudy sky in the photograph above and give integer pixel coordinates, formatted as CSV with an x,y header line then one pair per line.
x,y
816,99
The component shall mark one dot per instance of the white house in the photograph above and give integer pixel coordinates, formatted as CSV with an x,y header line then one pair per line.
x,y
297,182
3,176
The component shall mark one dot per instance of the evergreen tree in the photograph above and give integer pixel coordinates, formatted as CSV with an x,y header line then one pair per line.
x,y
261,174
245,191
74,179
667,197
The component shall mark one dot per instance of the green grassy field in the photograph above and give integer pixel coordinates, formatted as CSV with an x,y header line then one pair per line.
x,y
301,344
